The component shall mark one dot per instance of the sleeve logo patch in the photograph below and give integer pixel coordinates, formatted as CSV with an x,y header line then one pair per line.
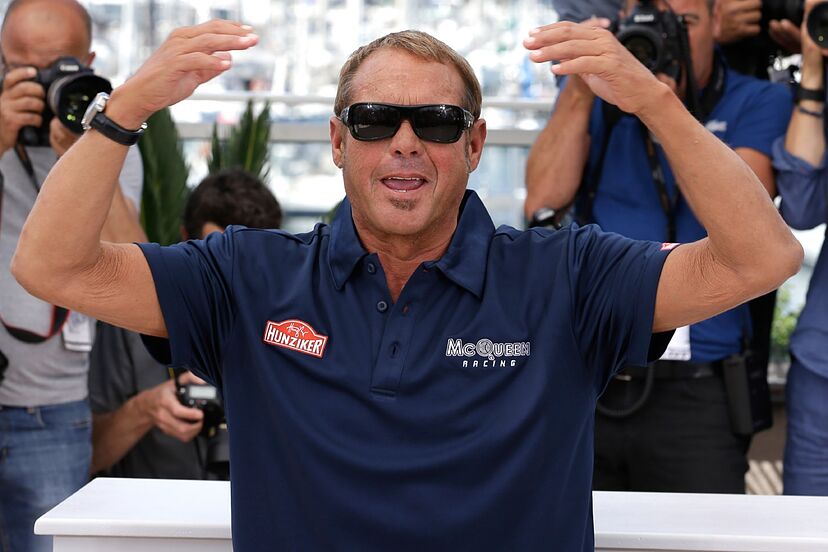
x,y
295,335
669,246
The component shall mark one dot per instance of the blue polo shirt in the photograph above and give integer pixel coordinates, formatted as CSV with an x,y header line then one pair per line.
x,y
458,417
750,114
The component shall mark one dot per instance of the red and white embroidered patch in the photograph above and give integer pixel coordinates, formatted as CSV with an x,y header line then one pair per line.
x,y
669,246
295,335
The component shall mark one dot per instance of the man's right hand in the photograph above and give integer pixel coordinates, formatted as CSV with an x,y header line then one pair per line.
x,y
21,104
188,58
170,416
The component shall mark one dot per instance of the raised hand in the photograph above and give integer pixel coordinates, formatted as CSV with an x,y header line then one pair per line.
x,y
604,64
189,57
21,104
161,405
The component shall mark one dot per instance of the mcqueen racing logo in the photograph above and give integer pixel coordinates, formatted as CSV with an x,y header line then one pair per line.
x,y
486,353
295,335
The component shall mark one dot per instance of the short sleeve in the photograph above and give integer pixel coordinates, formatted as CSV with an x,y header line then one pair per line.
x,y
111,382
763,119
193,281
613,284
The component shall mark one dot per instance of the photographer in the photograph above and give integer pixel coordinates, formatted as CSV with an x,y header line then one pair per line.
x,y
666,428
140,428
803,185
743,28
45,421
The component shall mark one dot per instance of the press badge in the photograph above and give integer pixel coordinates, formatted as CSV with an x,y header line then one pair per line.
x,y
78,333
679,346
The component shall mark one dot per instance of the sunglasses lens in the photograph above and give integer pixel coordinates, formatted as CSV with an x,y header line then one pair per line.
x,y
439,123
373,121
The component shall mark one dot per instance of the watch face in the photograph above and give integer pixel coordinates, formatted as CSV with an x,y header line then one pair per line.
x,y
95,106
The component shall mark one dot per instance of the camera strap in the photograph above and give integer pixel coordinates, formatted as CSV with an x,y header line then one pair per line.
x,y
591,180
25,160
668,204
59,314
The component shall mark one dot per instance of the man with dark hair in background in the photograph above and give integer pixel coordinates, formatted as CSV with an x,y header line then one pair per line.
x,y
231,196
666,427
45,421
139,427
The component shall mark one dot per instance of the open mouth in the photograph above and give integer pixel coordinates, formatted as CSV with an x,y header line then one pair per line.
x,y
403,184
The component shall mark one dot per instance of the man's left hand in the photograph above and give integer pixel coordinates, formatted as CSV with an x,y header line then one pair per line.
x,y
604,64
60,137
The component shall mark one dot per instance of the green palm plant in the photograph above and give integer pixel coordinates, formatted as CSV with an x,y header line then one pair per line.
x,y
247,146
165,179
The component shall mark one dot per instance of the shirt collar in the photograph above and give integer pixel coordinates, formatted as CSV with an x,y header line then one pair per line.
x,y
464,262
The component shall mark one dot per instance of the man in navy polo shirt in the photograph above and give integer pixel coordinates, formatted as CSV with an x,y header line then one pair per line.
x,y
669,428
409,377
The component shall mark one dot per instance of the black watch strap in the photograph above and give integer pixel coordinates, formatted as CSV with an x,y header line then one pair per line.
x,y
116,132
809,94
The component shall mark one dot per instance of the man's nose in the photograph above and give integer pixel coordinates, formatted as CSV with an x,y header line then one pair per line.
x,y
405,142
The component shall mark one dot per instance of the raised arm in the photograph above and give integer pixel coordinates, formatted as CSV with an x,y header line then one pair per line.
x,y
749,249
60,256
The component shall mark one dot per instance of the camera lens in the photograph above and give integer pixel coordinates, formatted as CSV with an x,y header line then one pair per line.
x,y
643,49
69,96
818,24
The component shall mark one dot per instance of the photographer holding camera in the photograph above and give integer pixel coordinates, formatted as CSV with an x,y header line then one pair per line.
x,y
746,30
672,426
140,424
802,178
45,423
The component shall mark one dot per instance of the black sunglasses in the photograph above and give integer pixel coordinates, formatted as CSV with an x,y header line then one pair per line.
x,y
434,123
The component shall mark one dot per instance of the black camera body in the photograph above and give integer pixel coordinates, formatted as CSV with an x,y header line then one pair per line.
x,y
70,87
783,9
206,398
656,38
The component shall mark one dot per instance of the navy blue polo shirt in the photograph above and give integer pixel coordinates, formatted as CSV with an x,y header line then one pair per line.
x,y
458,417
750,114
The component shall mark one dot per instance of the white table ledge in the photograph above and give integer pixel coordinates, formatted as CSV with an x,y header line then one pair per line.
x,y
132,515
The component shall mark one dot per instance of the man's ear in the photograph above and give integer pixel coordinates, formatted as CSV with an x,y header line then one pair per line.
x,y
337,130
474,145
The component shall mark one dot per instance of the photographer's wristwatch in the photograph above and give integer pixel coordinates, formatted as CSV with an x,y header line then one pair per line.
x,y
95,118
809,94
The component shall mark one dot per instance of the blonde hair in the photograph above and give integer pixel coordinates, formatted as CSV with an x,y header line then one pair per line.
x,y
418,44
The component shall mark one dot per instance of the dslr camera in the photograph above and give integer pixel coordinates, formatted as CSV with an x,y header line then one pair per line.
x,y
658,39
69,87
794,10
206,398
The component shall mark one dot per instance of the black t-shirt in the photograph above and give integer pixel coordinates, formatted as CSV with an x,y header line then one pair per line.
x,y
120,368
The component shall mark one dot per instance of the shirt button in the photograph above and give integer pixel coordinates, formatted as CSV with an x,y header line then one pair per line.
x,y
382,306
406,308
372,268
